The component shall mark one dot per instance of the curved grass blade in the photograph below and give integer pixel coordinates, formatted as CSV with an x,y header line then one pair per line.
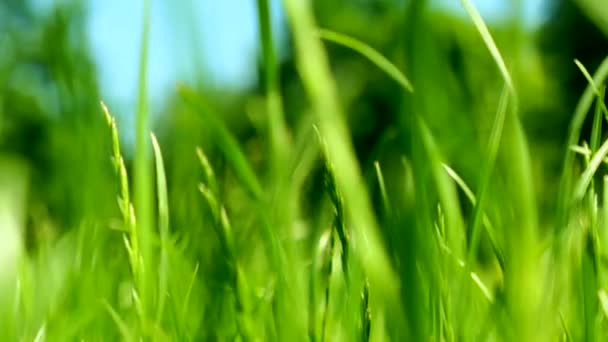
x,y
490,229
493,145
226,142
370,53
489,41
163,225
599,91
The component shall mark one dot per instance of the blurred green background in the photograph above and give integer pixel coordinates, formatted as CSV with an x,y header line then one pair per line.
x,y
58,59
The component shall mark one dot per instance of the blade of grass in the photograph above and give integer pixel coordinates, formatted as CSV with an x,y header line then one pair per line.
x,y
278,128
143,178
314,69
163,225
123,328
368,52
382,186
603,298
489,41
186,302
486,175
448,196
490,229
599,90
596,131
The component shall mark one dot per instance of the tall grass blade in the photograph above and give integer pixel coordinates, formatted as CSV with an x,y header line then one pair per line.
x,y
143,175
489,41
278,128
486,175
163,227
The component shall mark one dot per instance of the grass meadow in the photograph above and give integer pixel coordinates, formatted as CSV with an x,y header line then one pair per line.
x,y
405,175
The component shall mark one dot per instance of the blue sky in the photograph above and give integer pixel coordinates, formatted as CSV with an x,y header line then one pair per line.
x,y
225,31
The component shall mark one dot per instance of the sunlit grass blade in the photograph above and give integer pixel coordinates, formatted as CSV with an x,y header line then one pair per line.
x,y
225,141
163,227
599,90
603,298
587,75
371,54
585,152
382,185
489,41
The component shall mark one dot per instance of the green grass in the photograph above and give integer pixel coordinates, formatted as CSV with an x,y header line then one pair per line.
x,y
414,252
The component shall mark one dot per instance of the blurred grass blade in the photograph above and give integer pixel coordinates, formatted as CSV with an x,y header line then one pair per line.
x,y
382,186
163,225
225,141
489,41
122,326
603,297
486,175
143,176
490,229
448,196
186,302
274,103
597,11
369,53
